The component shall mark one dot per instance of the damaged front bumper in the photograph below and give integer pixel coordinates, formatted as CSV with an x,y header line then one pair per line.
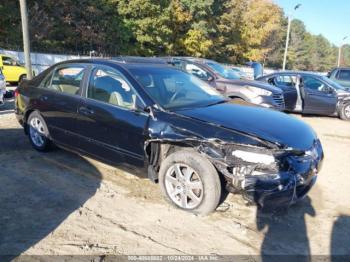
x,y
274,183
281,189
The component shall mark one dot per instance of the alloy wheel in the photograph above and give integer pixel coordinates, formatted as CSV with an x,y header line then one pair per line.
x,y
184,186
347,111
37,132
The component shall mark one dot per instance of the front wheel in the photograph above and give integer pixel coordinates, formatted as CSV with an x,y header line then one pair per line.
x,y
189,181
344,112
38,132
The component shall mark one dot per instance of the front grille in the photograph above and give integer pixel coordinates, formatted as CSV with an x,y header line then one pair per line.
x,y
279,100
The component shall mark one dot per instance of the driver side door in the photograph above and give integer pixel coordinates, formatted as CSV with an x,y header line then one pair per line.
x,y
318,97
287,83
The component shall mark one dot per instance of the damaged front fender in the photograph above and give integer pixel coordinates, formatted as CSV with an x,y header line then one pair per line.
x,y
264,172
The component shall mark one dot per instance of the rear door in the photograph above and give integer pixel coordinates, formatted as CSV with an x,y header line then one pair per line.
x,y
111,126
59,100
318,97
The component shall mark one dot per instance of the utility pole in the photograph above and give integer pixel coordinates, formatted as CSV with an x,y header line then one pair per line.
x,y
339,52
287,39
26,42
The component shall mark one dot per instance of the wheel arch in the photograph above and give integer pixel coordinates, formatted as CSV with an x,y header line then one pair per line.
x,y
157,151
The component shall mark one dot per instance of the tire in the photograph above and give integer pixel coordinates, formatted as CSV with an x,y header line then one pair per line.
x,y
38,132
197,189
344,112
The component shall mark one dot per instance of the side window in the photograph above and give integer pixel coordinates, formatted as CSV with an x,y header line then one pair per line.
x,y
67,79
109,86
313,83
8,61
285,80
344,75
46,83
197,71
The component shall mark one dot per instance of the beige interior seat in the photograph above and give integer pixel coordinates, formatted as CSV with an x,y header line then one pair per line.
x,y
70,89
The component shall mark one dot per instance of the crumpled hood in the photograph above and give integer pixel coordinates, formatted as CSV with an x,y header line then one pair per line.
x,y
243,82
266,124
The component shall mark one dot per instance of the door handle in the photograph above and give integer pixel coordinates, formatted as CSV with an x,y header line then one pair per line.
x,y
86,111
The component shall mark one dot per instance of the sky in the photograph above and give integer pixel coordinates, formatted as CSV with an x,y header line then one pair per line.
x,y
331,18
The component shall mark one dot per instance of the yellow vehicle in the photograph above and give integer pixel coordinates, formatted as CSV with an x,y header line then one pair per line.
x,y
13,71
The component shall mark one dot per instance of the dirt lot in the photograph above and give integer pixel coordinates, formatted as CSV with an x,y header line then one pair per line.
x,y
62,203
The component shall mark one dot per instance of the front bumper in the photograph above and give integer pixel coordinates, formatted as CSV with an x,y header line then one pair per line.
x,y
285,187
275,101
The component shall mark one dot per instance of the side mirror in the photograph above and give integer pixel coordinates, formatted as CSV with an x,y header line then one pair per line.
x,y
149,110
327,89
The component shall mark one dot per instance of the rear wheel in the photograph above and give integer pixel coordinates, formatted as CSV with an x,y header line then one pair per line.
x,y
190,182
38,132
345,112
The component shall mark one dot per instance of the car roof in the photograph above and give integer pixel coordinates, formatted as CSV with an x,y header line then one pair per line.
x,y
304,73
121,63
139,59
188,58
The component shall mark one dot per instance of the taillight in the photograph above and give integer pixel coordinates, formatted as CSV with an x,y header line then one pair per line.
x,y
16,92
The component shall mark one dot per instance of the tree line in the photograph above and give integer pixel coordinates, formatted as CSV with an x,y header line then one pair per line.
x,y
230,31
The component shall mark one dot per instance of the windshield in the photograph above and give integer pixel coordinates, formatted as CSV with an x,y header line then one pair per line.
x,y
334,84
174,89
222,71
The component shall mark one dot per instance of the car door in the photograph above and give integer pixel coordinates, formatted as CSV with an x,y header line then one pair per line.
x,y
59,98
318,97
287,83
111,125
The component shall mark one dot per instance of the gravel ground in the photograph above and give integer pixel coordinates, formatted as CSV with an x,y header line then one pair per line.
x,y
61,203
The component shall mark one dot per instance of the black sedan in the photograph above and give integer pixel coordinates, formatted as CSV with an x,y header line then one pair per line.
x,y
160,121
311,93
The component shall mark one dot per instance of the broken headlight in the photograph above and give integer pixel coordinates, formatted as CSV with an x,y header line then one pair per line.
x,y
254,157
248,162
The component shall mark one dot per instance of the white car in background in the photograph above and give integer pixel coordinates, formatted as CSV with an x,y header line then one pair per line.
x,y
2,88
